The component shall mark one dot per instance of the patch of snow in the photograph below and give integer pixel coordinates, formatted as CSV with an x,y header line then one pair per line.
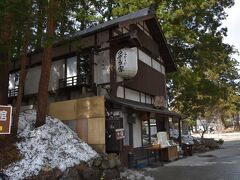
x,y
134,175
27,120
52,145
186,139
151,169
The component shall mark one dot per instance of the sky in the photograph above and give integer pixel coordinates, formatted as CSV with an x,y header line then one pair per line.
x,y
233,24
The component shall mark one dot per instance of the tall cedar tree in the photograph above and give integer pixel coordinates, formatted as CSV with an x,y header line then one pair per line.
x,y
40,23
42,100
23,73
22,32
5,39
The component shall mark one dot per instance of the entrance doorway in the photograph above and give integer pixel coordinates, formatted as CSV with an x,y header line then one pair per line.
x,y
112,144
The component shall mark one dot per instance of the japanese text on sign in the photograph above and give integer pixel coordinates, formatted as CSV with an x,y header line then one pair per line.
x,y
120,134
3,115
5,119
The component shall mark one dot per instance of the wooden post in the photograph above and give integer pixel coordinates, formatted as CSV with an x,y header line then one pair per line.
x,y
180,133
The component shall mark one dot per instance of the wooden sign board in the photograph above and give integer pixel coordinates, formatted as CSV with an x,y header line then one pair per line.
x,y
5,119
120,134
162,138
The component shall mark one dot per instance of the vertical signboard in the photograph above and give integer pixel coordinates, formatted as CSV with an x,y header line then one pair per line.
x,y
5,119
120,134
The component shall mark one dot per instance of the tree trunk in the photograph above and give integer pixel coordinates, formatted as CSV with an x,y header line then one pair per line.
x,y
23,73
196,127
40,22
237,125
223,121
42,100
63,20
202,134
4,79
6,33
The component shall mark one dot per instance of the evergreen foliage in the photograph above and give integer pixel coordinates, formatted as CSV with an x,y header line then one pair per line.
x,y
207,76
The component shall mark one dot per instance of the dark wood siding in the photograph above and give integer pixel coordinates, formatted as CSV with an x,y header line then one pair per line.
x,y
148,80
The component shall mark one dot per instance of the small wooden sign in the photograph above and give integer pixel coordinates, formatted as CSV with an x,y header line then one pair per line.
x,y
120,134
5,119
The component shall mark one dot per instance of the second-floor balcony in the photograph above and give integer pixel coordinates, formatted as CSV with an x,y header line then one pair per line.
x,y
79,80
13,92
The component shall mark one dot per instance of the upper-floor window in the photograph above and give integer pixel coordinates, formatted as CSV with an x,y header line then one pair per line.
x,y
70,78
71,67
78,65
13,84
77,71
84,68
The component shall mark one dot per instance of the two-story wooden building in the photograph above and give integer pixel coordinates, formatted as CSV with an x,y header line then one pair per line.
x,y
108,80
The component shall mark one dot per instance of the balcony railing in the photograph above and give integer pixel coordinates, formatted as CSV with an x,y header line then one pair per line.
x,y
78,80
12,92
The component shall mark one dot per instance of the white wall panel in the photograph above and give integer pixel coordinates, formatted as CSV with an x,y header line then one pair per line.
x,y
144,58
163,70
143,99
132,95
102,67
156,65
151,62
32,80
137,140
126,129
120,92
119,79
148,99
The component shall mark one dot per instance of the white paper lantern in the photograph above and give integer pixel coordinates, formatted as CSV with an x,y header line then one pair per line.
x,y
126,63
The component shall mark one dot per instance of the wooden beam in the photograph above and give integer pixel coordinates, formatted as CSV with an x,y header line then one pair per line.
x,y
179,132
145,41
157,34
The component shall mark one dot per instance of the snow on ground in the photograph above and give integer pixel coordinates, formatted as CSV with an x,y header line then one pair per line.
x,y
233,136
186,139
51,145
134,175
